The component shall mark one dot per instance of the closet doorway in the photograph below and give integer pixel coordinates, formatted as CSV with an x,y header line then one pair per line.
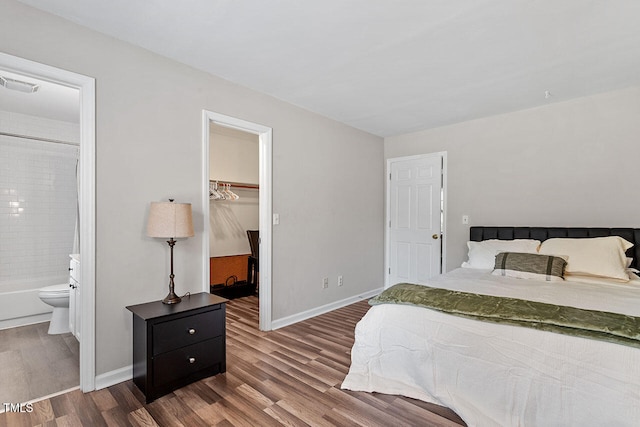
x,y
237,198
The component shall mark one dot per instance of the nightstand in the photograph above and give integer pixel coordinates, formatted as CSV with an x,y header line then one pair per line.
x,y
175,345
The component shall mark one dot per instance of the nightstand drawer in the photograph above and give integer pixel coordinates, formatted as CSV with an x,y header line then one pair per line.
x,y
177,333
185,361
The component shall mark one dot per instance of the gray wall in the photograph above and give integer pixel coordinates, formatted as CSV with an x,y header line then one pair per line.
x,y
567,164
327,177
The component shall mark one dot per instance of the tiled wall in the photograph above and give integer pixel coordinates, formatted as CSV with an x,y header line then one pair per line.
x,y
38,205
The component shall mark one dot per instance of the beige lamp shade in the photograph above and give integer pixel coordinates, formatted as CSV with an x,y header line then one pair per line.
x,y
169,219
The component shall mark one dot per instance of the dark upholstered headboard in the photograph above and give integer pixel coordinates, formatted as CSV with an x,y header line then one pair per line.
x,y
478,233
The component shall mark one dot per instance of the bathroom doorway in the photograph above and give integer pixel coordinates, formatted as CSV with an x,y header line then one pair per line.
x,y
60,140
243,131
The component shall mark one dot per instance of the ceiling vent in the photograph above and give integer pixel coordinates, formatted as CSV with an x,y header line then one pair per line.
x,y
18,85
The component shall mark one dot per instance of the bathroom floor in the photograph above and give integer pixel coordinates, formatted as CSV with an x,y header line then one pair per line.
x,y
34,364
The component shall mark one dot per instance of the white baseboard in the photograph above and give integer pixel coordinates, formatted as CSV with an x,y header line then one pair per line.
x,y
114,377
295,318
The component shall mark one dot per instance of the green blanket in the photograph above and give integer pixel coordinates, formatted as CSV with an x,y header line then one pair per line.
x,y
605,326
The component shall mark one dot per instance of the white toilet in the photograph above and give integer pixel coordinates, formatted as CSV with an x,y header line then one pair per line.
x,y
57,296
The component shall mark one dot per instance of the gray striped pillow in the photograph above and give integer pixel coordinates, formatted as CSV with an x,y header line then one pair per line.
x,y
530,266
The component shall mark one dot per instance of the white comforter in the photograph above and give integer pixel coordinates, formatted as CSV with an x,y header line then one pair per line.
x,y
500,375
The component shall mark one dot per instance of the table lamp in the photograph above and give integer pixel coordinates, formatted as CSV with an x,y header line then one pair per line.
x,y
173,221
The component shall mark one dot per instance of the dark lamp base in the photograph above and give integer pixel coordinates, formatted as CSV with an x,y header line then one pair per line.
x,y
172,298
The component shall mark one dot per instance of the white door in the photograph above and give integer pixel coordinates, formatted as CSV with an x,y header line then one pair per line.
x,y
414,214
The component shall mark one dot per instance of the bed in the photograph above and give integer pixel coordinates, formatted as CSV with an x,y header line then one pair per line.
x,y
505,374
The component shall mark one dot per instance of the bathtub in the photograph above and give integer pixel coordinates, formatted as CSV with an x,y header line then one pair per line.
x,y
23,306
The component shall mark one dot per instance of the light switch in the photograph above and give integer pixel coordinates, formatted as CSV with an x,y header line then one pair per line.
x,y
276,219
465,219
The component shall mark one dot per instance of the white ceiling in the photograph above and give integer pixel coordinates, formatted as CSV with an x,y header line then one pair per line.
x,y
51,100
388,66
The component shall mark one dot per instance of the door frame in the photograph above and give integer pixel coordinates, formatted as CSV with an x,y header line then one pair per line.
x,y
443,218
87,199
265,200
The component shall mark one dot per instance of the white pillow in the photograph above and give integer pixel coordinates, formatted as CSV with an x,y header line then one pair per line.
x,y
483,254
597,280
597,256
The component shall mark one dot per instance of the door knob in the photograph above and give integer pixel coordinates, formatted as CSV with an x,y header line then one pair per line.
x,y
434,237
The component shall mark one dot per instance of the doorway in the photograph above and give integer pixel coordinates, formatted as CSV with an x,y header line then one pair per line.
x,y
264,135
234,207
415,235
86,196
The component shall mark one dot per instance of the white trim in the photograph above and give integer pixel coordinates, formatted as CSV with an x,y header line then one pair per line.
x,y
387,261
443,265
88,235
265,148
114,377
299,317
87,197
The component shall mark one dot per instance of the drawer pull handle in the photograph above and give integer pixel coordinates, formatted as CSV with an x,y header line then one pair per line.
x,y
192,360
192,331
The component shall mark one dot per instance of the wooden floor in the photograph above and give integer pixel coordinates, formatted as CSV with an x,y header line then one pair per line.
x,y
290,377
35,364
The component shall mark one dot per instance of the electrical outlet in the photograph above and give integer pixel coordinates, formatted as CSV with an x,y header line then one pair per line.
x,y
340,281
325,283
